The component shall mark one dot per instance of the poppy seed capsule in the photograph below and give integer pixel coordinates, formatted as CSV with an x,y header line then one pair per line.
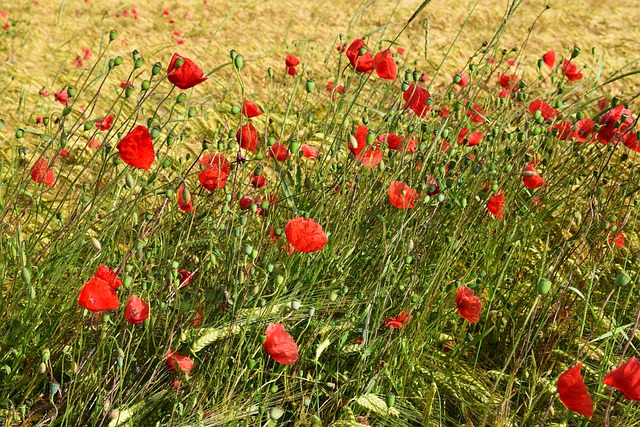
x,y
145,85
622,279
179,63
544,285
238,62
310,86
112,35
96,244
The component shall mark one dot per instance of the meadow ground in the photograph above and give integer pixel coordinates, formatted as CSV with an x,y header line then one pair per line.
x,y
444,235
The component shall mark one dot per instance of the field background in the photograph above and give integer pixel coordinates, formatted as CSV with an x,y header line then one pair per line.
x,y
47,36
524,345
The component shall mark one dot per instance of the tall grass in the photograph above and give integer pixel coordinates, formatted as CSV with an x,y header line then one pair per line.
x,y
63,365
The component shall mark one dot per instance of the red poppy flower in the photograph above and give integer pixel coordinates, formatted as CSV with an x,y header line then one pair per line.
x,y
245,202
602,103
564,129
183,204
371,156
401,51
279,151
125,84
96,295
476,113
77,61
416,99
531,177
87,53
41,173
305,235
108,275
136,149
474,139
63,153
401,195
386,67
280,345
626,378
583,130
259,181
464,78
612,124
197,320
361,139
573,392
396,142
185,278
104,124
62,97
469,306
291,61
215,175
247,137
136,311
187,75
398,322
548,113
250,109
496,204
462,135
630,140
309,152
549,58
174,361
509,81
570,70
362,63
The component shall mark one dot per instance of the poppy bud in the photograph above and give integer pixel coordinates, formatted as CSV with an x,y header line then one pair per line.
x,y
112,35
540,63
371,137
416,75
580,115
279,279
19,133
295,146
26,275
138,63
42,368
157,67
180,98
235,109
192,112
276,413
117,60
575,52
622,279
238,62
405,86
457,78
155,132
178,63
543,286
145,85
270,72
390,400
408,75
128,91
96,244
310,86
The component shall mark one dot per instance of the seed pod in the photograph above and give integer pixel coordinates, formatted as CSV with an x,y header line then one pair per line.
x,y
26,275
544,285
238,62
112,35
622,279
